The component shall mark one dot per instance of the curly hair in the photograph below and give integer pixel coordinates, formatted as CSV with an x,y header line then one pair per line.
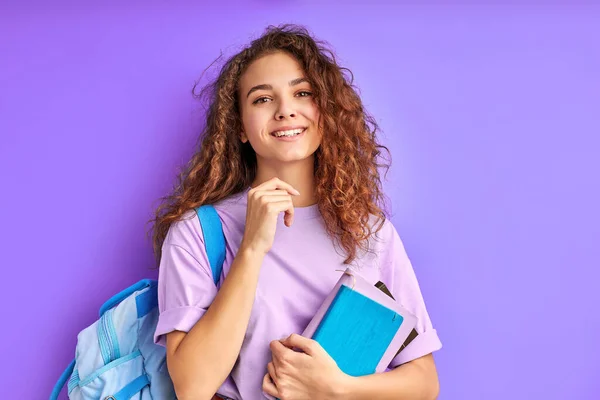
x,y
348,184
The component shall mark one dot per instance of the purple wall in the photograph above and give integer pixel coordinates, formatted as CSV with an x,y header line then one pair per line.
x,y
492,115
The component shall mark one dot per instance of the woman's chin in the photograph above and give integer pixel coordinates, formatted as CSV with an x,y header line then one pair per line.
x,y
294,158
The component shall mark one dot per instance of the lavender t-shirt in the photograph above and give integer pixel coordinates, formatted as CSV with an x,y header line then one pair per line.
x,y
296,276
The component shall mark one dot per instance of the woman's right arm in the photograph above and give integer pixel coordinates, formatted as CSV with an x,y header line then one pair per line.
x,y
200,360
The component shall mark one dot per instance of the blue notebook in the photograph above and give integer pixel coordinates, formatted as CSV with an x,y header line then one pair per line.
x,y
361,327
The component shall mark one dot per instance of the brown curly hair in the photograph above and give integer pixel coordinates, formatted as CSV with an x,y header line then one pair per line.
x,y
348,185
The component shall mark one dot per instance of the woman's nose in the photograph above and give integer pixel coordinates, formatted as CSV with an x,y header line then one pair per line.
x,y
284,111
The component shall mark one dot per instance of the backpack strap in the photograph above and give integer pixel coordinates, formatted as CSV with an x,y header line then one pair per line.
x,y
214,239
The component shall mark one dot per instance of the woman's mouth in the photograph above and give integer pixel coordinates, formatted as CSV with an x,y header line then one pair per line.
x,y
289,134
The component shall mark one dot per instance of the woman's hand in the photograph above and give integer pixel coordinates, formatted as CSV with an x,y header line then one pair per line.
x,y
265,202
311,375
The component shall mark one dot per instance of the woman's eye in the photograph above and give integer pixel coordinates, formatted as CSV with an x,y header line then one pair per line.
x,y
260,100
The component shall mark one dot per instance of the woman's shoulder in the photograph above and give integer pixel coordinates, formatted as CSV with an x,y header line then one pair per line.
x,y
188,227
384,231
185,231
237,200
232,211
385,242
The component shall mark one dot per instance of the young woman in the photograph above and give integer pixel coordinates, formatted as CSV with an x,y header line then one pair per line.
x,y
289,159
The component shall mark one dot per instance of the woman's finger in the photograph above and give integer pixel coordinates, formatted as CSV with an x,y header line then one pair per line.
x,y
282,356
307,345
272,372
271,198
276,183
275,192
269,387
284,206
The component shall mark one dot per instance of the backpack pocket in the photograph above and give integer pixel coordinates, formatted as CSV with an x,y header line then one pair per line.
x,y
120,379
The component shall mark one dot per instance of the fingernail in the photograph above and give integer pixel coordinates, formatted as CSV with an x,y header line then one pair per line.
x,y
297,192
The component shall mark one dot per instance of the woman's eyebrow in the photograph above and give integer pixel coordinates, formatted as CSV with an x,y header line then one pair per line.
x,y
265,86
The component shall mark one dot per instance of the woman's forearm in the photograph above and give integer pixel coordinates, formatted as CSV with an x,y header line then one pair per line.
x,y
415,380
206,355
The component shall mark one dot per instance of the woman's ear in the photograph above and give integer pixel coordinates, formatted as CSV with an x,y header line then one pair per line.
x,y
243,137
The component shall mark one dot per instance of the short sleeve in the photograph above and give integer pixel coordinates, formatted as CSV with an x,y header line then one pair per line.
x,y
185,284
398,274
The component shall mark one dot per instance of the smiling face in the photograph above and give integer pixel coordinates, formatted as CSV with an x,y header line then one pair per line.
x,y
279,116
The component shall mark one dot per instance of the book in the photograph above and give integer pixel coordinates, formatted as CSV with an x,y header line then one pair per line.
x,y
413,334
361,326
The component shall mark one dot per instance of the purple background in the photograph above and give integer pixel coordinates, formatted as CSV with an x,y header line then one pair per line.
x,y
491,114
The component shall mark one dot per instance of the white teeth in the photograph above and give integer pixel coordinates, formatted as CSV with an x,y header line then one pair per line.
x,y
292,132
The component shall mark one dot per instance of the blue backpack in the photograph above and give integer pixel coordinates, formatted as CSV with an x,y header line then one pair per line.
x,y
116,357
